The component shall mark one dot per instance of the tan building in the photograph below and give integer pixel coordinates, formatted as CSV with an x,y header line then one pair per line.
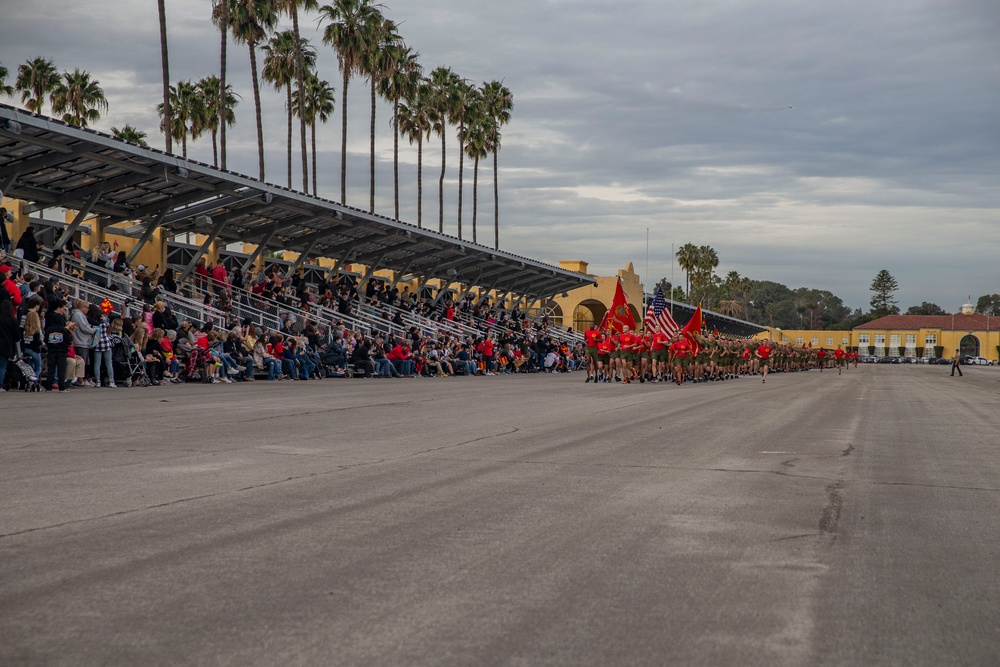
x,y
929,336
579,307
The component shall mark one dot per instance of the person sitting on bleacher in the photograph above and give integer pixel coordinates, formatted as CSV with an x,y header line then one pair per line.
x,y
402,359
361,355
334,353
235,347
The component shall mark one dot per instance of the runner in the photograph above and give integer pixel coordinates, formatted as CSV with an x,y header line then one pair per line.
x,y
615,357
627,353
644,344
763,353
680,357
659,354
821,358
593,336
604,359
838,357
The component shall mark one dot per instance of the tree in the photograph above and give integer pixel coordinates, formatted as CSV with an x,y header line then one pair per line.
x,y
36,79
883,301
279,70
291,7
220,16
442,99
478,135
926,309
190,116
687,259
402,76
250,22
209,87
5,88
348,22
499,104
415,123
461,115
319,104
381,37
78,98
131,135
165,67
988,304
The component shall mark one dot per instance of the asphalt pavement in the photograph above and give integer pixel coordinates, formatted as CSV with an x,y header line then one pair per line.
x,y
816,519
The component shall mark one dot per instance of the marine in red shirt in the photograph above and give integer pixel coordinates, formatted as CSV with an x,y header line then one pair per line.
x,y
593,337
764,354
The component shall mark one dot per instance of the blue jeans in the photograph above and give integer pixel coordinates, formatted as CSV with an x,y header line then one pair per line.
x,y
35,360
385,368
104,355
3,369
289,367
57,370
404,366
273,367
305,366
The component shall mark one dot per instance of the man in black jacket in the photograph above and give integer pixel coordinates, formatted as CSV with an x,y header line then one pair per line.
x,y
58,337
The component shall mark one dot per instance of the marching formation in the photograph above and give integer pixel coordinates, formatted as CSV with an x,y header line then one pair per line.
x,y
648,356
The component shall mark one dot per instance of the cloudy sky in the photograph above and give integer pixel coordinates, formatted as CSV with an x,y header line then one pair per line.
x,y
809,143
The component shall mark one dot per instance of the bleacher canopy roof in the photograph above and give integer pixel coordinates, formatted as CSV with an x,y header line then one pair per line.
x,y
52,164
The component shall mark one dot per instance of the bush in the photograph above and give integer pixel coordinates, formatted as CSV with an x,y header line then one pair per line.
x,y
938,351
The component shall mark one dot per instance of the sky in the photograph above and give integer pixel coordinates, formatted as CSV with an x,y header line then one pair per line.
x,y
809,143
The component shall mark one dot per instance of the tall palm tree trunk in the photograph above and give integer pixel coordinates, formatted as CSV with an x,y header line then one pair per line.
x,y
256,103
461,164
475,195
371,168
343,140
395,157
420,181
184,145
496,206
444,154
300,80
312,126
215,148
223,109
288,103
165,61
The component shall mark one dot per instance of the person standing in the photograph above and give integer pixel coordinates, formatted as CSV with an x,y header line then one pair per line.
x,y
593,337
763,353
956,364
58,337
838,356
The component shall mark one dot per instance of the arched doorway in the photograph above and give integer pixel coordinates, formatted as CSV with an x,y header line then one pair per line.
x,y
969,347
554,312
586,312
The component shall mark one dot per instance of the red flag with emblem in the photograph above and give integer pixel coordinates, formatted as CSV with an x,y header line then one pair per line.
x,y
619,315
691,328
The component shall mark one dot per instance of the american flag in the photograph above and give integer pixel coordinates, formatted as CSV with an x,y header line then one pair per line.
x,y
658,317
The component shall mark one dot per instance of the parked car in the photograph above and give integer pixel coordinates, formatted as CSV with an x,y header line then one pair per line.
x,y
977,361
941,362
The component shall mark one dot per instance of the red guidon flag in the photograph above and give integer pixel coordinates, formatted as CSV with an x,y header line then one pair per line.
x,y
691,328
619,315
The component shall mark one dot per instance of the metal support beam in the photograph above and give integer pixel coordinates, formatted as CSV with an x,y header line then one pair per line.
x,y
443,290
371,269
9,180
81,194
203,248
396,275
146,235
301,260
335,271
258,251
81,215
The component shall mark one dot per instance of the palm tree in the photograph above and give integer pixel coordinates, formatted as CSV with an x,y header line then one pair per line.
x,y
78,98
687,259
402,76
190,115
36,79
250,22
465,100
442,100
279,71
5,88
382,37
348,22
130,134
209,87
165,66
477,146
499,104
220,17
415,122
318,104
707,260
291,7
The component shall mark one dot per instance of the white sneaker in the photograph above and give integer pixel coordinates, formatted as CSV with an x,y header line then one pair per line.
x,y
216,381
227,380
112,386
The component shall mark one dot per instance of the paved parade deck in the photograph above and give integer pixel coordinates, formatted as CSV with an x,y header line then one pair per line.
x,y
814,520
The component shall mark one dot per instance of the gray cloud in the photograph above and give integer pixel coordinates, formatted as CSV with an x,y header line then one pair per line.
x,y
662,115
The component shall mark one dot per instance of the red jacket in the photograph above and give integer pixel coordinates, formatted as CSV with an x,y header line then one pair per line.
x,y
398,353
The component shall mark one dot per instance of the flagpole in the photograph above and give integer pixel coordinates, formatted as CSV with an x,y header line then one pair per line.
x,y
646,277
671,279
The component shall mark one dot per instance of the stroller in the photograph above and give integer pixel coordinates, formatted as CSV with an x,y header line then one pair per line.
x,y
194,365
129,368
22,376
